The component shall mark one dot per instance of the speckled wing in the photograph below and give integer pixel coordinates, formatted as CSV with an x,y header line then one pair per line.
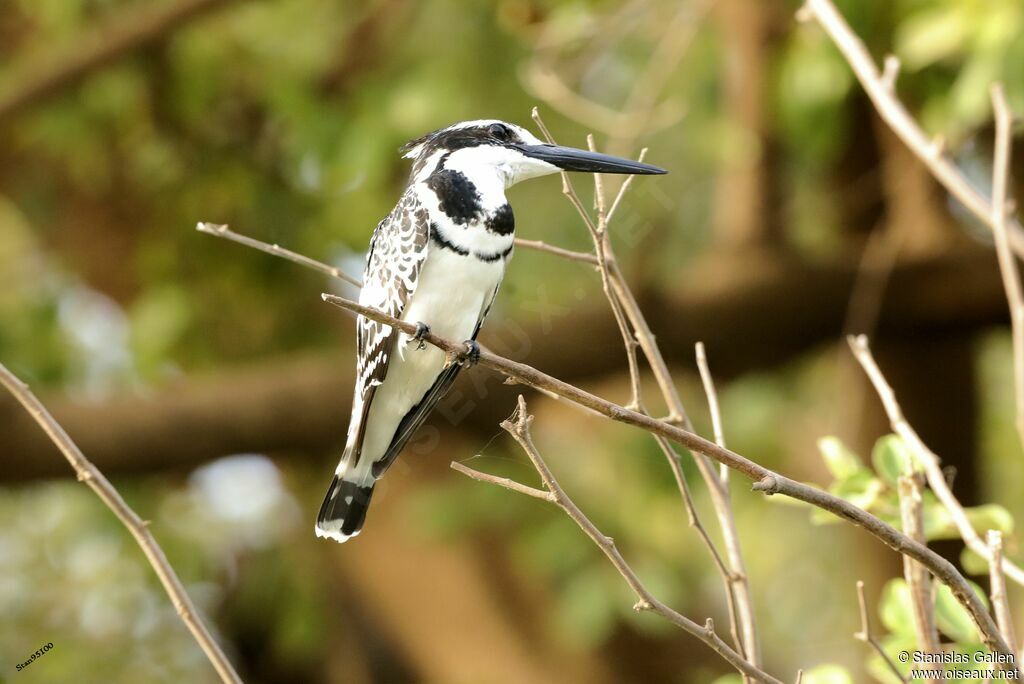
x,y
397,252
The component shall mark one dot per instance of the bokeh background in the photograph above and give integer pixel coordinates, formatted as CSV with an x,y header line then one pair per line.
x,y
212,385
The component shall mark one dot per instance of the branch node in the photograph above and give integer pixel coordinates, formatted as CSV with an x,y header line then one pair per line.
x,y
769,484
890,72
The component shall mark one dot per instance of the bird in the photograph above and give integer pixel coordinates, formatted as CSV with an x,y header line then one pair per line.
x,y
436,261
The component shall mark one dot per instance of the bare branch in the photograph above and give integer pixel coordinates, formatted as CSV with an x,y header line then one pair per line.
x,y
926,457
997,581
918,580
1007,263
621,300
765,480
538,245
712,395
222,231
91,476
502,482
867,637
902,123
721,500
519,428
599,235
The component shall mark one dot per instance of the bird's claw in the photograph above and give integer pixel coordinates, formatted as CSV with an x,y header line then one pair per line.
x,y
471,356
422,330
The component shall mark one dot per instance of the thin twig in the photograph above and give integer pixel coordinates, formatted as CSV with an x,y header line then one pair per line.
x,y
926,457
765,480
997,581
721,499
902,123
867,637
598,233
712,395
918,579
1007,263
728,577
519,428
222,231
569,254
91,476
624,306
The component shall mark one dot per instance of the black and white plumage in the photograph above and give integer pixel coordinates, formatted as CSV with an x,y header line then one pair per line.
x,y
437,259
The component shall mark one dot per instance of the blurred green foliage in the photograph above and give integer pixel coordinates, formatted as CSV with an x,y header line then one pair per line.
x,y
283,119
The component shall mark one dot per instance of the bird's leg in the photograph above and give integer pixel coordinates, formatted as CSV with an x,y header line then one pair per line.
x,y
471,356
422,330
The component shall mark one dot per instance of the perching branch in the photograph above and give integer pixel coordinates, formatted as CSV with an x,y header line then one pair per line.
x,y
91,476
926,457
1007,263
765,480
879,89
868,638
519,428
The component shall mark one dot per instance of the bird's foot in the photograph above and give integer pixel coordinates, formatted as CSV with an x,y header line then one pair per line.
x,y
471,356
422,330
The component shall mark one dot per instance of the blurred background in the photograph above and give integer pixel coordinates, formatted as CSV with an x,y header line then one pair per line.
x,y
212,385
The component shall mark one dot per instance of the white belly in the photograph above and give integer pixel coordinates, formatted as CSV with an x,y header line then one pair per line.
x,y
450,295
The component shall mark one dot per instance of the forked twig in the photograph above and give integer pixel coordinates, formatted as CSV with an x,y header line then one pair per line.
x,y
624,305
926,457
868,638
765,480
893,112
91,476
519,428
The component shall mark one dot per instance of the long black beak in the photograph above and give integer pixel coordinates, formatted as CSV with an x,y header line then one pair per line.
x,y
572,159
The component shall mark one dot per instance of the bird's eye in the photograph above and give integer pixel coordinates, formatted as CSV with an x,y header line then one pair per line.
x,y
500,131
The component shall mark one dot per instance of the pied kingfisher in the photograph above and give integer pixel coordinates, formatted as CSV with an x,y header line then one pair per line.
x,y
436,260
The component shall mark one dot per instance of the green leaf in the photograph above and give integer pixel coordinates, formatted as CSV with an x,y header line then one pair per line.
x,y
973,563
891,458
839,460
729,679
861,489
931,36
990,517
895,608
952,619
938,523
827,674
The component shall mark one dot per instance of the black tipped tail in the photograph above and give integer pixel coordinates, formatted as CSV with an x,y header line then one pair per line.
x,y
344,510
